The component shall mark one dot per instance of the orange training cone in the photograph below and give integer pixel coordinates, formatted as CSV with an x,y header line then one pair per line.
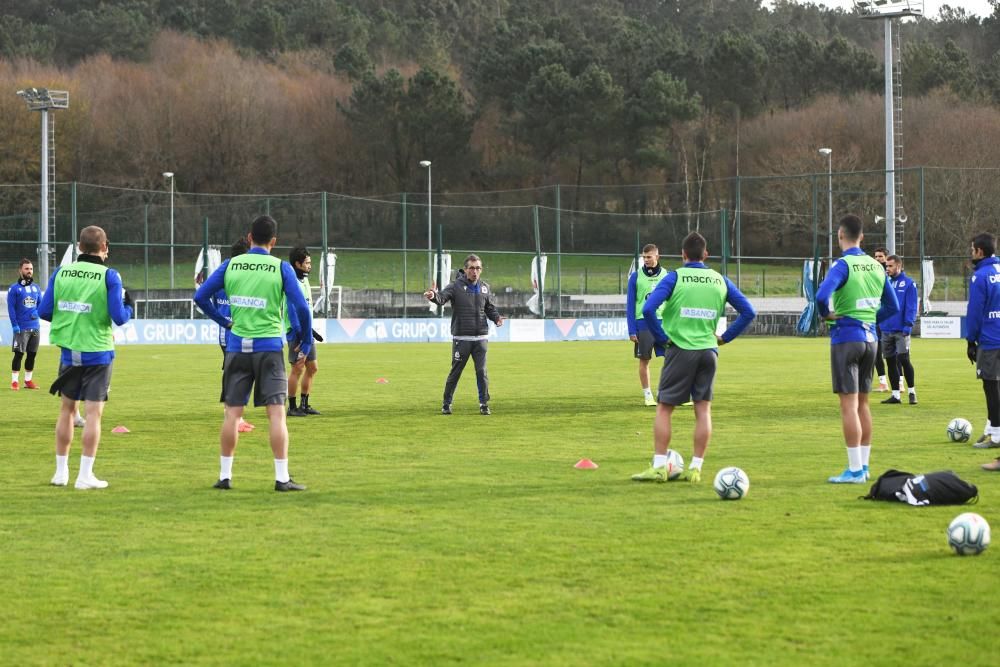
x,y
120,429
585,464
381,381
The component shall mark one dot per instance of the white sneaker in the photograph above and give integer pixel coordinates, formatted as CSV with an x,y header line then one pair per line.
x,y
79,422
60,480
90,483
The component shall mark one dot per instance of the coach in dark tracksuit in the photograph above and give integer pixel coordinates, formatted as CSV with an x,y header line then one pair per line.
x,y
471,306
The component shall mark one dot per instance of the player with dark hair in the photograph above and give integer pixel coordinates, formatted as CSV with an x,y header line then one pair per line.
x,y
82,301
895,332
22,307
302,263
471,306
694,298
640,284
259,285
240,246
881,256
982,322
861,296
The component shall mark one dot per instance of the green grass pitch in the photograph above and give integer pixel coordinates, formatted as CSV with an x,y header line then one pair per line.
x,y
431,540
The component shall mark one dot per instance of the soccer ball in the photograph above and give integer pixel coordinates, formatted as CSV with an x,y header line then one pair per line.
x,y
969,534
675,464
959,430
731,483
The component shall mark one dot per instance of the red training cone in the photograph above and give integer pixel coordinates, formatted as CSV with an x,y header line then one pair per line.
x,y
585,464
120,429
381,381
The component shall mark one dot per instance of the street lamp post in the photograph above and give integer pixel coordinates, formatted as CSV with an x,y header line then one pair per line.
x,y
170,175
426,164
44,100
828,152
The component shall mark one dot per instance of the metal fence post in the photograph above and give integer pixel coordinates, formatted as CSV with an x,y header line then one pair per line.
x,y
402,214
72,223
538,265
325,236
145,249
440,278
739,229
922,249
558,253
723,224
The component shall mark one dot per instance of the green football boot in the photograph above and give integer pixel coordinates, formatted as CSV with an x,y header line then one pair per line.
x,y
651,474
691,475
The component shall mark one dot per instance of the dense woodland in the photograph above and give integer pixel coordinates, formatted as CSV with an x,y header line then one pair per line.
x,y
349,95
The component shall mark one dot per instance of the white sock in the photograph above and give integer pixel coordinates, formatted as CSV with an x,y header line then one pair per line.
x,y
881,379
14,376
27,375
62,465
854,459
913,391
696,463
866,454
281,470
647,391
994,433
225,467
659,460
86,467
895,393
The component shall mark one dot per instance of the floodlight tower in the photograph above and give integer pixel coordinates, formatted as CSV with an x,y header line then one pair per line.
x,y
886,11
44,100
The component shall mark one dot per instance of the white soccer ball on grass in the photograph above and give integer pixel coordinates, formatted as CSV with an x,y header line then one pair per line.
x,y
731,483
959,430
969,534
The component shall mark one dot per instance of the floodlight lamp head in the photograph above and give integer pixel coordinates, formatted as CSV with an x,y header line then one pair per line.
x,y
826,151
425,163
168,174
878,219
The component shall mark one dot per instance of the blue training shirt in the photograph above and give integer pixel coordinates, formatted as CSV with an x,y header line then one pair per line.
x,y
906,295
205,297
665,288
848,329
22,306
982,315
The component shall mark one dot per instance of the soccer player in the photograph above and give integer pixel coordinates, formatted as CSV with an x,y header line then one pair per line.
x,y
640,284
982,322
302,263
239,247
881,256
82,300
258,286
861,295
896,331
471,306
694,298
22,307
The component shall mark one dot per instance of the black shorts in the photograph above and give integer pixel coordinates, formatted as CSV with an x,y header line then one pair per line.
x,y
687,375
895,343
988,364
293,355
26,341
851,366
644,346
85,383
263,371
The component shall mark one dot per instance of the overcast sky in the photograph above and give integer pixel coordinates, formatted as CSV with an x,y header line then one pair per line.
x,y
979,8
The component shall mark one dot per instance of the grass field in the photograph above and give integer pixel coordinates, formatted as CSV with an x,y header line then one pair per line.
x,y
430,540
